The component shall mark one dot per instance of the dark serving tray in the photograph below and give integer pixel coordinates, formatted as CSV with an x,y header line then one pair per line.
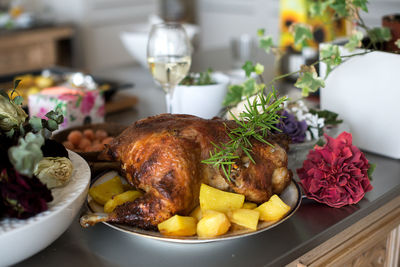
x,y
6,81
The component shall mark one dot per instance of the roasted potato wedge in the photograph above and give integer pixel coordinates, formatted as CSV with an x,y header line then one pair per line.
x,y
178,226
213,224
196,213
273,210
105,191
218,200
120,199
245,217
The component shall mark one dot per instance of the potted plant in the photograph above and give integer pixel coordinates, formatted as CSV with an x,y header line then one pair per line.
x,y
327,173
364,91
349,76
200,94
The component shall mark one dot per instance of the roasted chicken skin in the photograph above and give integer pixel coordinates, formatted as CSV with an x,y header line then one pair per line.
x,y
162,156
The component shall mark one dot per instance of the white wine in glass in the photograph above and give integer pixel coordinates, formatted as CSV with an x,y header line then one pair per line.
x,y
169,71
168,56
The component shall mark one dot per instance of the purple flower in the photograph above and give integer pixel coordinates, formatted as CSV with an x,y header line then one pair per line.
x,y
292,127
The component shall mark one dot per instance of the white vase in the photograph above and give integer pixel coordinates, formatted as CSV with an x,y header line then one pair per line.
x,y
365,92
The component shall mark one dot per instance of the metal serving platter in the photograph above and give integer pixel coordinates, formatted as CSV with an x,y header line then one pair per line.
x,y
291,196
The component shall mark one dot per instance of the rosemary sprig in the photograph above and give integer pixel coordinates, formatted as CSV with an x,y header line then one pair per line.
x,y
259,118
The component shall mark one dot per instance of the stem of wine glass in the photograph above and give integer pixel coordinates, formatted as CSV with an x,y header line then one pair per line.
x,y
168,98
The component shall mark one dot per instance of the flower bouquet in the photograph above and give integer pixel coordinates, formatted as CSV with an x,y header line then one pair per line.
x,y
30,163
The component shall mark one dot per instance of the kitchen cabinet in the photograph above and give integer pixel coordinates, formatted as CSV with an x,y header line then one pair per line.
x,y
32,49
372,241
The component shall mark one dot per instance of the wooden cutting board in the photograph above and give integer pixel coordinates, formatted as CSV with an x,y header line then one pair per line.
x,y
121,102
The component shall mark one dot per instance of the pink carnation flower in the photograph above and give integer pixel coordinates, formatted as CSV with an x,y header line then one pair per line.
x,y
335,174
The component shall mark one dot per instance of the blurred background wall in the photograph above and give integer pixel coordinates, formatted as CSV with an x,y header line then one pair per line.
x,y
99,22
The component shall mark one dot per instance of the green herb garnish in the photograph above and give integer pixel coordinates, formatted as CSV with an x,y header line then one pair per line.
x,y
256,122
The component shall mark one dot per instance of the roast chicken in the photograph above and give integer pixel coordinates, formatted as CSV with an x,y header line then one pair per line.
x,y
162,156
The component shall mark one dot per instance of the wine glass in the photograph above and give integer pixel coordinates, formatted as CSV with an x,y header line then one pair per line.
x,y
168,56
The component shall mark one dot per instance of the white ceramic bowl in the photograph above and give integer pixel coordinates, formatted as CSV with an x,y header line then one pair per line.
x,y
20,239
204,101
135,41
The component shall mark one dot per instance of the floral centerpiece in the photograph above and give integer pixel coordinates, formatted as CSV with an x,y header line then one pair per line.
x,y
30,163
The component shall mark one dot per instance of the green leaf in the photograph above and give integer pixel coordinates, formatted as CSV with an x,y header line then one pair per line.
x,y
55,115
361,4
234,95
18,100
317,8
266,43
354,41
52,125
397,43
380,34
260,32
340,7
330,117
249,87
371,169
248,68
320,142
259,69
330,55
309,81
302,33
36,123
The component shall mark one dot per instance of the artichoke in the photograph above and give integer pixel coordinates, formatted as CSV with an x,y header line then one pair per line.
x,y
54,171
11,114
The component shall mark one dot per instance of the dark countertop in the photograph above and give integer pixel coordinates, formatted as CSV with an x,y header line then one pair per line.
x,y
310,226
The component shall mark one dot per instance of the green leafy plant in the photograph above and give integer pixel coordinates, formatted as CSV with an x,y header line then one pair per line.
x,y
330,117
308,80
201,78
255,124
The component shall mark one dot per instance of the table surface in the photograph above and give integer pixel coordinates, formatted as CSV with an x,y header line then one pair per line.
x,y
310,226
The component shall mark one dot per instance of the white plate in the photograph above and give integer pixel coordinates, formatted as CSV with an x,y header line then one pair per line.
x,y
291,196
20,239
